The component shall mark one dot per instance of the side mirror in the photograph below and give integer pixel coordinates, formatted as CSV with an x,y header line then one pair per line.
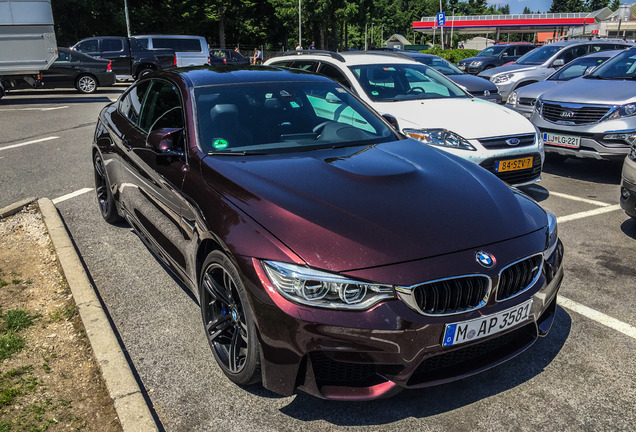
x,y
164,141
392,121
558,63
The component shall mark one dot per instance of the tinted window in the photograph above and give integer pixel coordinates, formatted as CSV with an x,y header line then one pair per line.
x,y
390,82
63,56
181,45
143,43
87,46
334,73
130,105
440,65
491,51
112,45
162,108
306,65
621,66
284,116
577,68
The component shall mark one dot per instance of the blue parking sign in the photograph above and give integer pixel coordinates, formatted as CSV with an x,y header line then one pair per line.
x,y
441,19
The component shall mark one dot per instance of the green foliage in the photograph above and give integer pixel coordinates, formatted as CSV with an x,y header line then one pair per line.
x,y
18,319
452,55
67,312
10,343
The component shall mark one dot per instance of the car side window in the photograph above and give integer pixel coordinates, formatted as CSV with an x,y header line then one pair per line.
x,y
162,108
130,105
111,45
569,54
87,46
306,65
334,73
63,57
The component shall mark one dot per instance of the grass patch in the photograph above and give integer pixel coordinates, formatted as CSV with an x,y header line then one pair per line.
x,y
67,312
3,283
18,319
10,343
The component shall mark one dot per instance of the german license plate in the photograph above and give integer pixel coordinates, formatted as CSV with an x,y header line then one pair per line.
x,y
561,140
513,164
468,331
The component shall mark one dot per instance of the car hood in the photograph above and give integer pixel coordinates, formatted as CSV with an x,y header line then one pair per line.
x,y
361,207
472,118
593,91
506,68
473,84
477,58
537,89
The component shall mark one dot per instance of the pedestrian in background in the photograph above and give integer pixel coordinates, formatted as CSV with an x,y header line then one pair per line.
x,y
312,46
258,57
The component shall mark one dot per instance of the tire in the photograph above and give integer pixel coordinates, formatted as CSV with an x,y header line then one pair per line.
x,y
227,320
144,71
86,84
105,197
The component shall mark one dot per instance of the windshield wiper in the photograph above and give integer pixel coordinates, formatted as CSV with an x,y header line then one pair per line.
x,y
597,77
235,153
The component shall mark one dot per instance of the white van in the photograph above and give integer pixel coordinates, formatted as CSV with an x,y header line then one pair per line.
x,y
190,50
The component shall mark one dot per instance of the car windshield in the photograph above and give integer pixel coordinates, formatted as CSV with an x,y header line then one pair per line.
x,y
491,51
401,81
440,65
621,66
577,68
270,117
539,55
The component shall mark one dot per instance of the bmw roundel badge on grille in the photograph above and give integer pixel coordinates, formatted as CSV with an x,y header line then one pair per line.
x,y
485,259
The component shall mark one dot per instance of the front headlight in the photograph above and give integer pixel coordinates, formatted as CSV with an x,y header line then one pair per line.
x,y
513,98
476,63
623,111
439,137
553,236
326,290
499,79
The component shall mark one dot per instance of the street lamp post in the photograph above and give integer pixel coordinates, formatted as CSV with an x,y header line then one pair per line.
x,y
441,28
300,24
127,18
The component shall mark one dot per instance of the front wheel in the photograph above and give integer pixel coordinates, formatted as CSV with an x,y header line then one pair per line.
x,y
86,84
228,322
105,197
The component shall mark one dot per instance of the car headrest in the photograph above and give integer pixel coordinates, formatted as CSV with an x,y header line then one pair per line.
x,y
224,113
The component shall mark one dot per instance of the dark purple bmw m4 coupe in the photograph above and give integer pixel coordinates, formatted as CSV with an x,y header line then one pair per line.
x,y
329,254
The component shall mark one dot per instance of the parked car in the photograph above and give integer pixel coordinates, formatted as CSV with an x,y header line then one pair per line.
x,y
76,70
231,57
495,55
523,99
428,107
628,183
540,63
189,50
254,186
593,116
477,86
130,59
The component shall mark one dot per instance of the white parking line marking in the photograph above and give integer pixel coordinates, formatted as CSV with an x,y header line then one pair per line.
x,y
71,195
588,213
34,109
597,316
575,198
28,142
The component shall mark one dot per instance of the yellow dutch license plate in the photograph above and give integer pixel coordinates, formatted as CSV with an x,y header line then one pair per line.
x,y
513,164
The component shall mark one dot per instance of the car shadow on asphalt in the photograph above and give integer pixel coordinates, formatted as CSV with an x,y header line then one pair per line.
x,y
591,170
629,228
426,402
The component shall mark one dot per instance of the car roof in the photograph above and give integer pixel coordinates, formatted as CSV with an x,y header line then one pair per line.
x,y
350,58
586,41
199,76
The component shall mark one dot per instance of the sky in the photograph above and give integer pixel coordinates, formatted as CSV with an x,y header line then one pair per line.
x,y
517,6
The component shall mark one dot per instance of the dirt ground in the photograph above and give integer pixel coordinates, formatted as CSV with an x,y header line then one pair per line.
x,y
53,383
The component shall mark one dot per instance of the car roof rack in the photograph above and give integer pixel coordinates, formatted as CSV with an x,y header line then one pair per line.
x,y
387,53
331,54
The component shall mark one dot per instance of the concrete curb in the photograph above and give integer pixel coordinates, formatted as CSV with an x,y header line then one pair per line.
x,y
15,208
134,414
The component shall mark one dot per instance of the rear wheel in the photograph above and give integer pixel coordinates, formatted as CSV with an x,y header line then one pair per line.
x,y
228,322
105,197
86,84
144,71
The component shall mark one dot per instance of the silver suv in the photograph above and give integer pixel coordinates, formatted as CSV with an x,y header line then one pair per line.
x,y
593,116
541,62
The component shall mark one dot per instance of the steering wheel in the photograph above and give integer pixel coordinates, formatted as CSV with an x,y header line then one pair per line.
x,y
413,90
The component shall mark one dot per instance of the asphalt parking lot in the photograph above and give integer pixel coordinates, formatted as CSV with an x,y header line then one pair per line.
x,y
579,378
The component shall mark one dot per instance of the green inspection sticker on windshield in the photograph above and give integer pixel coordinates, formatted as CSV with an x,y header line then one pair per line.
x,y
219,144
375,93
294,104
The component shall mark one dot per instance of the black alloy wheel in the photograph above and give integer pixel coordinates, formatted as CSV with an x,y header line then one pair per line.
x,y
104,195
86,84
227,319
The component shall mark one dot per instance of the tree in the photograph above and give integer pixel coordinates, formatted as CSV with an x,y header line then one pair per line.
x,y
615,5
567,6
594,5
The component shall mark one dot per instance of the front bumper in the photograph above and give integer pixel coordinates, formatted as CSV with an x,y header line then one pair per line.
x,y
592,145
372,354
